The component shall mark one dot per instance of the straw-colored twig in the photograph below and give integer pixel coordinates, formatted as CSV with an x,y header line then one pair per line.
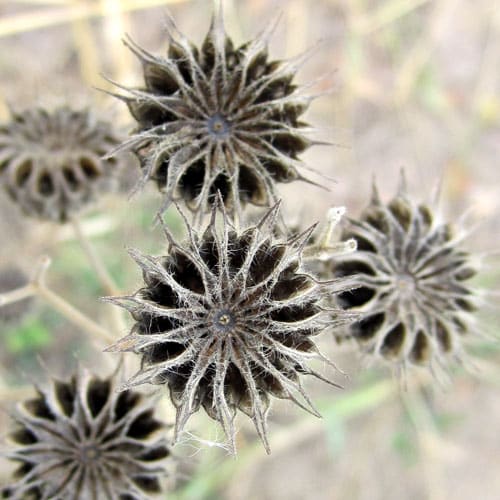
x,y
16,295
95,261
88,55
37,287
420,54
43,2
102,274
15,393
233,18
20,23
297,23
327,247
388,13
428,442
4,110
115,24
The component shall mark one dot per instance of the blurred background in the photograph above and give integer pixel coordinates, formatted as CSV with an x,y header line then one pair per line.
x,y
411,84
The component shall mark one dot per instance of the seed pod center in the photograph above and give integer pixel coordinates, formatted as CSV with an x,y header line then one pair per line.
x,y
224,320
218,126
88,454
406,286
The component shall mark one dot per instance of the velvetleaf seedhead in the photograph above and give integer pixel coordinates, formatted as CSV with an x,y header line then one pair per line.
x,y
218,118
51,162
227,320
412,294
83,439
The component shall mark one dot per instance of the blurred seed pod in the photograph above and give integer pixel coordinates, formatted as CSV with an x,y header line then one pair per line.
x,y
413,297
51,162
218,118
227,320
83,439
12,278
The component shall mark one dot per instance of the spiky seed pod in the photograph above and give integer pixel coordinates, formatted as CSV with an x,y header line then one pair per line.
x,y
82,439
51,162
412,274
12,278
218,118
227,320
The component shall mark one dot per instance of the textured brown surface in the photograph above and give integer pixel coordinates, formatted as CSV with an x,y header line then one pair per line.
x,y
416,85
51,161
83,439
227,319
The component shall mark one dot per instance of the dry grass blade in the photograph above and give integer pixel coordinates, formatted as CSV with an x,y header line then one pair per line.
x,y
387,14
43,2
21,23
116,22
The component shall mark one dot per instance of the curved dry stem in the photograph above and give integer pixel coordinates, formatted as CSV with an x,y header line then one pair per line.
x,y
74,315
37,287
430,443
16,295
327,247
15,393
95,261
103,275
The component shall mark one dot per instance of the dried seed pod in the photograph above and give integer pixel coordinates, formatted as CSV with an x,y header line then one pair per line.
x,y
218,118
411,276
83,439
51,162
227,321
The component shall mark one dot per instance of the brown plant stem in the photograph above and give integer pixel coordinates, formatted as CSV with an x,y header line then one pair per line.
x,y
16,295
429,442
95,261
102,273
38,287
15,393
88,53
326,248
23,22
